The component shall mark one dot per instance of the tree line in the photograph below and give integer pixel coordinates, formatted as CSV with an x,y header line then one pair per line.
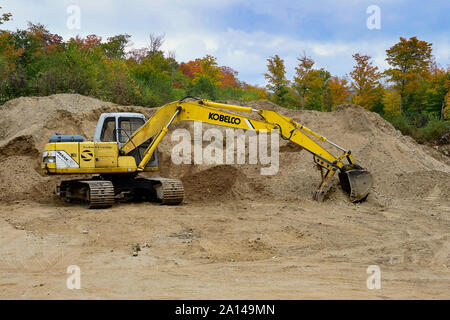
x,y
413,93
35,61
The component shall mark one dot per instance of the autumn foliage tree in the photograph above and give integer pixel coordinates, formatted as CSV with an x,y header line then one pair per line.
x,y
391,103
34,61
365,81
446,109
228,78
209,69
302,77
261,93
311,84
337,92
435,88
276,77
409,60
208,79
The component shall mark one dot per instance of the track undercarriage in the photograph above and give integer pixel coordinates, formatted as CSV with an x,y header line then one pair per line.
x,y
102,191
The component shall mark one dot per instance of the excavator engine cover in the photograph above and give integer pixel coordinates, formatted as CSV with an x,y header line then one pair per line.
x,y
356,181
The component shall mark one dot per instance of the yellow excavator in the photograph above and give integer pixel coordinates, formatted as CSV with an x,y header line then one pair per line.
x,y
125,144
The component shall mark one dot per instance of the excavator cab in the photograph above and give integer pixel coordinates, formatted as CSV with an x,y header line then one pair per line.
x,y
119,127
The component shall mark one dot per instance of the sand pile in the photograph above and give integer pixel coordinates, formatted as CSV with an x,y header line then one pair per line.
x,y
27,123
402,168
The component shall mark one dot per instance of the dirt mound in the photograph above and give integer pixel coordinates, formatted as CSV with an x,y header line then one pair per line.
x,y
374,142
427,185
41,117
27,123
21,145
221,182
401,167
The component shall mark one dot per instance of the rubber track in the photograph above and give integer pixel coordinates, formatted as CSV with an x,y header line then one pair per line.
x,y
101,193
173,191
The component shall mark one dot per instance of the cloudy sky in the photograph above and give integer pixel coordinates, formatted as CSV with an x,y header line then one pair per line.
x,y
242,34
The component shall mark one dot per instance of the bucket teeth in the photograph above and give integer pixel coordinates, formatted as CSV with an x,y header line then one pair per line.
x,y
321,192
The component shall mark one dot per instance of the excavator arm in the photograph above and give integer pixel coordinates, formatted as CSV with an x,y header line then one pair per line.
x,y
354,180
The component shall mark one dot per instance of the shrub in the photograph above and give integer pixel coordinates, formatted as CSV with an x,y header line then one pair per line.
x,y
401,122
204,88
434,130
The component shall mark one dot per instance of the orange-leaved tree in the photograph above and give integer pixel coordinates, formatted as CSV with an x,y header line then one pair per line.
x,y
337,92
365,81
228,77
205,67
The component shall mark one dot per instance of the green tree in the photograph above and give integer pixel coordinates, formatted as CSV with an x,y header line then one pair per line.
x,y
76,69
310,84
115,47
204,88
318,82
153,73
435,89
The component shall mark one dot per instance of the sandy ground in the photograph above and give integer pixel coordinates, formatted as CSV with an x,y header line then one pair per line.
x,y
238,234
253,250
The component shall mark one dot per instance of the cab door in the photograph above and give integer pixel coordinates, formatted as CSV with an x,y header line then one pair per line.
x,y
127,126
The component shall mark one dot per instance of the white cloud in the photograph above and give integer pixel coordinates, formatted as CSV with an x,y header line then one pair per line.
x,y
247,52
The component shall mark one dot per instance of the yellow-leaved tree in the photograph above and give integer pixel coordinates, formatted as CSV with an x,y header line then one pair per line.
x,y
446,111
209,69
276,77
365,81
410,61
337,92
302,78
391,103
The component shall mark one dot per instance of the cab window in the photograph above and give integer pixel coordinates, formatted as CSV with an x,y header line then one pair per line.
x,y
128,126
108,132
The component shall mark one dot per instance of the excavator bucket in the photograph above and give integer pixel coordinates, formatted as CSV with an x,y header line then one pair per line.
x,y
356,181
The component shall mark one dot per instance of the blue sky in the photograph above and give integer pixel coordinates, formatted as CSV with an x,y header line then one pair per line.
x,y
242,34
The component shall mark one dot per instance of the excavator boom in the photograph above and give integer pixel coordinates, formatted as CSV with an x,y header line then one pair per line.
x,y
354,179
